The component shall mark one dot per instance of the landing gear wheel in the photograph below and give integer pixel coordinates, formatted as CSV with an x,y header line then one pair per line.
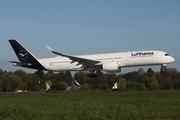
x,y
91,75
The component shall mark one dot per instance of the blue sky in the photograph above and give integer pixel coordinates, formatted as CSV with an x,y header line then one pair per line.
x,y
89,26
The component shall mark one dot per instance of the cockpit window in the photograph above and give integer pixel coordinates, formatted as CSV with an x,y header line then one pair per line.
x,y
166,54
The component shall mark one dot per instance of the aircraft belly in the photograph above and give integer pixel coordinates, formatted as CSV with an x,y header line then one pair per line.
x,y
63,67
57,67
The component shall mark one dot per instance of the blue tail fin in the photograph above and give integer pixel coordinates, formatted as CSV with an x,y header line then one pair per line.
x,y
25,56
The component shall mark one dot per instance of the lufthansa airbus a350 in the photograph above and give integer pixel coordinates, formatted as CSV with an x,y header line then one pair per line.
x,y
109,62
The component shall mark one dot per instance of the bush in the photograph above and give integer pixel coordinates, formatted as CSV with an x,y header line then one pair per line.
x,y
1,84
12,82
86,87
62,85
121,84
152,84
105,87
131,85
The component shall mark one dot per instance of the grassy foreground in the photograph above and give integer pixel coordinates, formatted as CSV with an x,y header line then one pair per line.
x,y
90,105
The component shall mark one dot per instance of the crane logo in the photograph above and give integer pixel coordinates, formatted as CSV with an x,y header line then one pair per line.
x,y
22,55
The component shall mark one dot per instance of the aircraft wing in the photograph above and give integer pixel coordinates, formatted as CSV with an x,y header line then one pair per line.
x,y
80,60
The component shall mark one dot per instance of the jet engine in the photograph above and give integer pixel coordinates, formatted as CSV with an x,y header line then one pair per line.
x,y
112,67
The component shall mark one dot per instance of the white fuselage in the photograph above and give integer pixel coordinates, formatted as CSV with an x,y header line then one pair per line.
x,y
123,59
111,62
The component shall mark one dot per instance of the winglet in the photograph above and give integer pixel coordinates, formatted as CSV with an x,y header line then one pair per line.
x,y
53,51
50,49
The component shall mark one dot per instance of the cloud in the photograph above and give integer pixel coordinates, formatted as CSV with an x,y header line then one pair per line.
x,y
159,25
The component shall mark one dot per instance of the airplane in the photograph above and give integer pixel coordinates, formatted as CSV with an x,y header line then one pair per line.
x,y
108,62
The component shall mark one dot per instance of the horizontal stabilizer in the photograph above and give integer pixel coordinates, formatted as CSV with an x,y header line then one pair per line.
x,y
19,63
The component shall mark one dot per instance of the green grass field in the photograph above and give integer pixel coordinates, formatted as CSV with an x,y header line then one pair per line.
x,y
90,105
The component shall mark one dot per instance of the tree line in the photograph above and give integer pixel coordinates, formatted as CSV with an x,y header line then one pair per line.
x,y
165,79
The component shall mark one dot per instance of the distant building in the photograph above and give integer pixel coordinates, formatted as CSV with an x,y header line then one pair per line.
x,y
48,87
20,91
74,85
115,86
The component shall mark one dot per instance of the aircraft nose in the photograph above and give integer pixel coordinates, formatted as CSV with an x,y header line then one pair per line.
x,y
172,59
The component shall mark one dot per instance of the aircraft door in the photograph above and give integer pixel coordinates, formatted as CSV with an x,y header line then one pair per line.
x,y
126,56
156,55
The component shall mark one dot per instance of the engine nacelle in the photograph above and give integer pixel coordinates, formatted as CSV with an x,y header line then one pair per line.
x,y
112,67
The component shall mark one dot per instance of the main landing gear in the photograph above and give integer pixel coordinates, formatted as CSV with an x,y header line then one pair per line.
x,y
91,74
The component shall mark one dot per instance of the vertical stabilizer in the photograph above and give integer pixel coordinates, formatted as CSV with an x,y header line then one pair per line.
x,y
25,56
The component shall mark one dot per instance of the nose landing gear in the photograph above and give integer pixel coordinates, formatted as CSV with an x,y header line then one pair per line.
x,y
163,67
